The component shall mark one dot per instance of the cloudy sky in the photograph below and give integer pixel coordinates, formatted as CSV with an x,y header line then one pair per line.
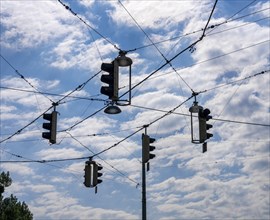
x,y
52,48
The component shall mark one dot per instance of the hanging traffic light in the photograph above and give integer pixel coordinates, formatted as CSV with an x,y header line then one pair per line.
x,y
97,174
88,174
204,147
111,79
204,116
147,148
51,126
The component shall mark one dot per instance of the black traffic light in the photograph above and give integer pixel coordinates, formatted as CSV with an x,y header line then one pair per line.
x,y
88,174
111,79
51,126
204,147
96,174
147,148
204,116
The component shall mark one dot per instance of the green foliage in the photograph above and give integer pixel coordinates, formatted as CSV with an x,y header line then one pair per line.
x,y
10,207
5,181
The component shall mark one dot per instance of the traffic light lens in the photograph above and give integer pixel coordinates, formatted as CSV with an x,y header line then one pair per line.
x,y
106,79
107,67
206,112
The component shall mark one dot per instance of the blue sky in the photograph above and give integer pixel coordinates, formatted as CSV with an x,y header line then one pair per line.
x,y
56,51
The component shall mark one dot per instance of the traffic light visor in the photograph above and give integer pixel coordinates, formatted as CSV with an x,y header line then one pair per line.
x,y
107,67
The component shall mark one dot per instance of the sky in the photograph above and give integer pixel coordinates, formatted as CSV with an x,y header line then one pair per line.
x,y
52,51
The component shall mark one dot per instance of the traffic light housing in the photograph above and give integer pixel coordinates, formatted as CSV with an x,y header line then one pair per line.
x,y
51,126
111,79
97,174
204,116
147,148
88,174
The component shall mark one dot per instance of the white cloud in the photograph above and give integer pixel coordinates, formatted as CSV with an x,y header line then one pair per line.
x,y
20,169
48,154
158,16
33,23
234,172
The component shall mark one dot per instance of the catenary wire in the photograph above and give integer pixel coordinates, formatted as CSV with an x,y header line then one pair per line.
x,y
22,77
111,147
77,136
54,94
174,57
148,77
210,59
20,130
235,81
80,87
154,121
54,104
133,87
143,127
117,170
251,3
200,30
153,44
188,115
230,18
88,25
28,160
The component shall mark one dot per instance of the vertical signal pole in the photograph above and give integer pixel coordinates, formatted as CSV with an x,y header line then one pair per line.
x,y
143,182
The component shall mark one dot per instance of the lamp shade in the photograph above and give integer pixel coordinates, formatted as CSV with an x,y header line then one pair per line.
x,y
124,61
112,110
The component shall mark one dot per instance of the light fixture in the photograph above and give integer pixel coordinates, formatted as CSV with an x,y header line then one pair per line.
x,y
194,114
112,110
123,60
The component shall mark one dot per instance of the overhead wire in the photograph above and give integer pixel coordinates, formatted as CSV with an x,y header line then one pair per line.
x,y
27,125
200,30
88,25
188,115
54,94
81,86
142,80
78,136
239,26
235,81
251,3
22,77
152,43
231,97
78,88
117,170
28,160
133,87
207,60
174,57
112,146
230,18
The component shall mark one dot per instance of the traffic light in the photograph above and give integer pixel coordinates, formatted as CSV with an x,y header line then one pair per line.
x,y
204,147
51,126
204,116
111,79
147,148
87,174
96,174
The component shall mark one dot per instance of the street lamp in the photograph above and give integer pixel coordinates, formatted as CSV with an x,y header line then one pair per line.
x,y
112,110
113,80
195,110
123,60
